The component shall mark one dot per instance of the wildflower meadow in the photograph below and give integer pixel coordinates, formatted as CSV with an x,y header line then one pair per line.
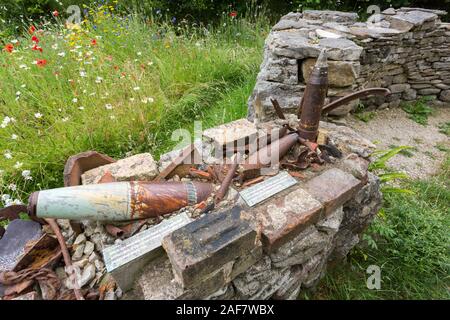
x,y
118,84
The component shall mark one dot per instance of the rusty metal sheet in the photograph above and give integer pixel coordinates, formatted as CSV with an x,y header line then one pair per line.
x,y
12,245
78,164
185,153
42,253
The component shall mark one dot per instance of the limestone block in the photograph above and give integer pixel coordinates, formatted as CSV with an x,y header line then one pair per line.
x,y
331,224
340,73
260,281
398,88
138,167
409,94
445,95
293,44
347,140
157,283
281,70
331,16
355,165
405,21
333,188
303,247
282,217
232,134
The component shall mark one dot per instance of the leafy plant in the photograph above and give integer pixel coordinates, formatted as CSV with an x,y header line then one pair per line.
x,y
382,156
445,128
365,116
418,110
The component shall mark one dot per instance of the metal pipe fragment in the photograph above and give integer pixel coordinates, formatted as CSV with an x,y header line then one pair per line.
x,y
357,95
228,178
313,99
65,252
118,201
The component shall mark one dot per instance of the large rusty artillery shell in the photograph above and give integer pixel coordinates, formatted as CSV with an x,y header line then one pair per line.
x,y
117,201
313,99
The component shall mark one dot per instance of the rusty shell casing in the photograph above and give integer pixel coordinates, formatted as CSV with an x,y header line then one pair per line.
x,y
117,201
272,153
313,100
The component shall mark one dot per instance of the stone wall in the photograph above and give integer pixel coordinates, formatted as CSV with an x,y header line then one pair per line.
x,y
274,249
406,50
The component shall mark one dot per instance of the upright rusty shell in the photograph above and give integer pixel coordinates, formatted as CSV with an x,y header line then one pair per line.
x,y
313,99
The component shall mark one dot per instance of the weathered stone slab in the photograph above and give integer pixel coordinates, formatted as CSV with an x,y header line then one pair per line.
x,y
333,188
405,21
266,189
330,16
281,70
260,281
157,283
340,73
204,246
235,134
294,44
284,216
125,259
138,167
12,244
304,246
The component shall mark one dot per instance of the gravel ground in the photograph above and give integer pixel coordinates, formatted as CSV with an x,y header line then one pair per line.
x,y
392,127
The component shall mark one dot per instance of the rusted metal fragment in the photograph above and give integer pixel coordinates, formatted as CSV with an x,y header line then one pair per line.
x,y
114,231
252,181
205,245
313,99
185,155
17,282
78,164
12,245
333,188
357,95
43,253
270,154
284,216
228,178
32,295
277,108
107,177
65,253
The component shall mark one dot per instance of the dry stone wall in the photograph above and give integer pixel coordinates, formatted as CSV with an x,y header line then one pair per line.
x,y
406,50
277,248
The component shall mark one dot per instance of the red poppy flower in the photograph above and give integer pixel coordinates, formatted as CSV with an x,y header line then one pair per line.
x,y
41,62
36,48
94,42
55,13
233,14
31,29
35,39
9,47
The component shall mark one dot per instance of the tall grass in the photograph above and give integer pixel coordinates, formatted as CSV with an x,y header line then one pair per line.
x,y
118,85
410,244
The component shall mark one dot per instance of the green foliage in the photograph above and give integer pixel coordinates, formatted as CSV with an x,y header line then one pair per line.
x,y
189,73
445,128
383,156
365,116
408,240
418,110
